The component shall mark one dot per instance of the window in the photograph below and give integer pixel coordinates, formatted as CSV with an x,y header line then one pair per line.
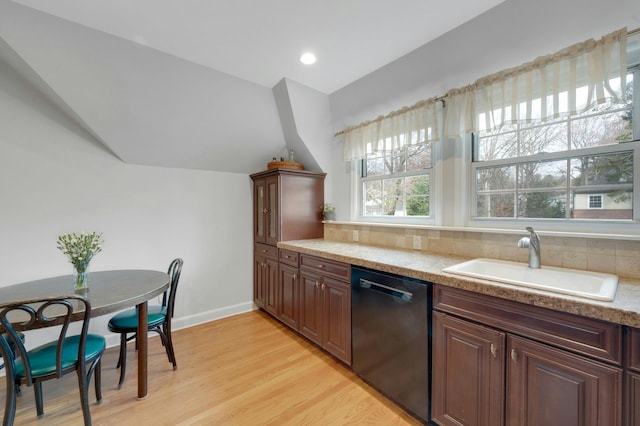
x,y
595,201
397,183
578,167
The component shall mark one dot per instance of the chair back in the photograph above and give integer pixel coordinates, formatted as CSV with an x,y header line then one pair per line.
x,y
40,313
174,274
10,403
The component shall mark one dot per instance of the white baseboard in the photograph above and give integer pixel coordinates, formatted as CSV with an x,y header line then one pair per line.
x,y
193,320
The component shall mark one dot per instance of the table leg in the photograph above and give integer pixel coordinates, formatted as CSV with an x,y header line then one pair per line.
x,y
142,349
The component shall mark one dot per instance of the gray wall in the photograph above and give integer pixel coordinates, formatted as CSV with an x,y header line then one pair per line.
x,y
56,178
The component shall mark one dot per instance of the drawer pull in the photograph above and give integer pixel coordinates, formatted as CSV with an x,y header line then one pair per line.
x,y
514,355
494,350
323,286
320,266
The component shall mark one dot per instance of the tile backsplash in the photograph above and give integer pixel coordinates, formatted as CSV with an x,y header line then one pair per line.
x,y
620,257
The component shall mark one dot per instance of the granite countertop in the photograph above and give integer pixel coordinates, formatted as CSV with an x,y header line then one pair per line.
x,y
624,309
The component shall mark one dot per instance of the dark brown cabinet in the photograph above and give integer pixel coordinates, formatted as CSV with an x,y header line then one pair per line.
x,y
497,362
548,386
265,213
632,378
325,305
288,295
265,281
468,373
287,205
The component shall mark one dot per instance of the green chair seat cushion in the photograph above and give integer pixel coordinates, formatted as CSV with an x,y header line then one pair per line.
x,y
128,320
43,358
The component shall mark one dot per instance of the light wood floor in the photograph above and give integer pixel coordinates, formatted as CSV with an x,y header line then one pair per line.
x,y
243,370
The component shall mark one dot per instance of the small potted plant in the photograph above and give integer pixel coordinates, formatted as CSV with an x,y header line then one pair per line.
x,y
329,211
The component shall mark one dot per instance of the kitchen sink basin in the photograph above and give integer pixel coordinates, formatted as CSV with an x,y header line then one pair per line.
x,y
591,285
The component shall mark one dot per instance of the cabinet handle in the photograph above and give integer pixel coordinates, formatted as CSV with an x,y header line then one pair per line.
x,y
514,355
264,211
264,250
295,276
494,350
320,266
323,286
317,284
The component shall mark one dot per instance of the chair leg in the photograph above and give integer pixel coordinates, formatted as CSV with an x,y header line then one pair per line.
x,y
123,359
169,347
37,391
84,396
98,379
10,401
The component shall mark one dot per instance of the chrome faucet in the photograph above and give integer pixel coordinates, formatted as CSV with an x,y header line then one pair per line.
x,y
532,242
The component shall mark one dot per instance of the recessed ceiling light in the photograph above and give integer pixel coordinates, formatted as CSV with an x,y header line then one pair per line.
x,y
308,58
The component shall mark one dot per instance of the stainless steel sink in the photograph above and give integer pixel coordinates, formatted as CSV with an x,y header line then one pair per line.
x,y
591,285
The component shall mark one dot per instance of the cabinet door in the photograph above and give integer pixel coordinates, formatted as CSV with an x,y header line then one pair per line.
x,y
259,210
633,399
259,281
288,295
272,224
552,387
336,312
271,284
311,306
468,373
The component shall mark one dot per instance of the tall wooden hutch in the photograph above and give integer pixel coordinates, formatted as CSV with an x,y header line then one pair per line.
x,y
287,205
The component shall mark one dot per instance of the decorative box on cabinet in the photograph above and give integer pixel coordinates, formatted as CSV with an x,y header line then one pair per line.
x,y
559,369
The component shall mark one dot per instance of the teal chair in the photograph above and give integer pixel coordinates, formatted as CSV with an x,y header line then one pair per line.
x,y
158,320
80,353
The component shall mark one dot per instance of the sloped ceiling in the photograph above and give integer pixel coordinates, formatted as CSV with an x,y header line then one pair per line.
x,y
168,98
148,107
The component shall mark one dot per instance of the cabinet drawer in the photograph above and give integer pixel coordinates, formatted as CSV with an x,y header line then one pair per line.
x,y
634,348
289,257
338,270
586,336
266,250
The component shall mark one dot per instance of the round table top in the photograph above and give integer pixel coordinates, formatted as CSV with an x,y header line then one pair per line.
x,y
109,291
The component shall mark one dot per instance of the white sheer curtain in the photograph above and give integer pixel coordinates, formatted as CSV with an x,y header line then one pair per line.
x,y
407,126
565,83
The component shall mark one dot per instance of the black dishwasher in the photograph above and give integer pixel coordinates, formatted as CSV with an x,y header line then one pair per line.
x,y
391,336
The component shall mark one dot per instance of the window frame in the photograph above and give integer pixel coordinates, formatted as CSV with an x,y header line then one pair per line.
x,y
358,189
573,224
592,198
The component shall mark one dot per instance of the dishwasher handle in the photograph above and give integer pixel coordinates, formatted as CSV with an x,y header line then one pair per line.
x,y
385,289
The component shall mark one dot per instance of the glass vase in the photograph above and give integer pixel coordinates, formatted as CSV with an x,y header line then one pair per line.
x,y
82,279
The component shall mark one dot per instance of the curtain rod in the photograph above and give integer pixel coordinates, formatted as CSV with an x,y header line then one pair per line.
x,y
436,99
